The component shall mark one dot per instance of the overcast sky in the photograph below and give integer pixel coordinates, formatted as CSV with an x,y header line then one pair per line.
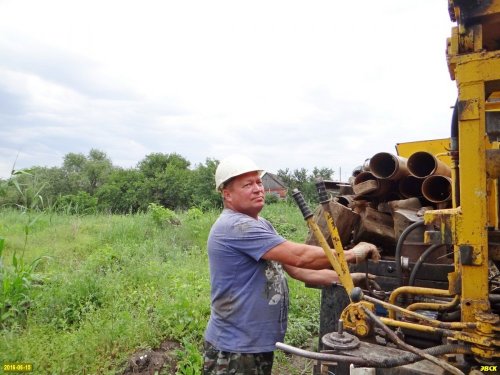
x,y
290,83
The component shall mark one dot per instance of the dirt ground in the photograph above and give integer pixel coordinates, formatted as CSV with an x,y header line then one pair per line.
x,y
163,361
149,362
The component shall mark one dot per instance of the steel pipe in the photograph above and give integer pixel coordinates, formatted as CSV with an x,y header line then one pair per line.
x,y
388,166
403,359
381,186
344,200
410,186
422,164
437,188
325,356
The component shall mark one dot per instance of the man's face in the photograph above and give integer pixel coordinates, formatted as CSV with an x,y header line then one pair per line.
x,y
245,194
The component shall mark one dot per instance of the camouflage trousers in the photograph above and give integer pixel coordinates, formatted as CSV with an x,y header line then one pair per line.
x,y
218,362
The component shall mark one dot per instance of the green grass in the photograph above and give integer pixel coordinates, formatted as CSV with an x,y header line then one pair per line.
x,y
110,285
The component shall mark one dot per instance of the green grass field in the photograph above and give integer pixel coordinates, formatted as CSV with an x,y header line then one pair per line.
x,y
82,294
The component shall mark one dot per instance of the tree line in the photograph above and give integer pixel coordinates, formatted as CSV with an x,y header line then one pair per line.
x,y
91,183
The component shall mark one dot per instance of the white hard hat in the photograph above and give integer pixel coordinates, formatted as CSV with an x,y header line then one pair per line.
x,y
233,166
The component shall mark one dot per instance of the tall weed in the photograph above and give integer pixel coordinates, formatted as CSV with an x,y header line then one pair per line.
x,y
119,283
16,283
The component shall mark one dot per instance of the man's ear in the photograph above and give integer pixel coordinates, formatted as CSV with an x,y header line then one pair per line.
x,y
226,194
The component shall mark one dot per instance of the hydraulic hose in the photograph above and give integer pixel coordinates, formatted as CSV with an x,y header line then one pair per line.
x,y
420,261
454,151
399,246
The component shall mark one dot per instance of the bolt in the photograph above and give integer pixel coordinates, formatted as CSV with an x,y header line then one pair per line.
x,y
340,328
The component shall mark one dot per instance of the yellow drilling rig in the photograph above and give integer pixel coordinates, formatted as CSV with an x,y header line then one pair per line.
x,y
433,209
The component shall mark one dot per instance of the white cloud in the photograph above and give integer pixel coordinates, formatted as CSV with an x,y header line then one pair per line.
x,y
295,83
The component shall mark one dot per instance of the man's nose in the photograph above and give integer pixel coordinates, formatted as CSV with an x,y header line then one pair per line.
x,y
257,187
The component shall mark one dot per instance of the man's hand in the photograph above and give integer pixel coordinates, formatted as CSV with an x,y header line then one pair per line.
x,y
359,279
365,250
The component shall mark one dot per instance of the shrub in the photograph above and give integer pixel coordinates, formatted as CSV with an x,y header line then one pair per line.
x,y
272,198
162,216
78,204
194,213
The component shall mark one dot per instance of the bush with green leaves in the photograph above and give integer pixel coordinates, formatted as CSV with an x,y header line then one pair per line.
x,y
162,216
194,213
272,198
81,203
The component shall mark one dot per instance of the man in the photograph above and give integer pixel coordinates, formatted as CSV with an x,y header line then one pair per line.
x,y
249,291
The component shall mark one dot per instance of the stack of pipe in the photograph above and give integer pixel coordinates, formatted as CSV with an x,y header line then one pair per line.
x,y
385,196
434,174
421,175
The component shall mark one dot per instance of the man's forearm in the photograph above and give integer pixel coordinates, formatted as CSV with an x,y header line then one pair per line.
x,y
313,277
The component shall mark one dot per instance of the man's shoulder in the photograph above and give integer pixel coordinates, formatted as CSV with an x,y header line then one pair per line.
x,y
229,215
237,220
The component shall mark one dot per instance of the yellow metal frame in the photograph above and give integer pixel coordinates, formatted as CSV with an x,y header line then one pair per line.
x,y
465,226
437,147
475,172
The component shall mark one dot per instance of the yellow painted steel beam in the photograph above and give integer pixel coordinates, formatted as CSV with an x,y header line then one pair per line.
x,y
472,233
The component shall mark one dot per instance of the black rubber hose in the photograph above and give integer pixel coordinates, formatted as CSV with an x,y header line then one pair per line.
x,y
455,151
420,261
399,246
454,126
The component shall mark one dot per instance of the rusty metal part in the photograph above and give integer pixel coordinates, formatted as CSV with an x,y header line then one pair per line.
x,y
423,164
388,166
323,356
340,340
344,200
368,355
493,163
437,188
394,338
367,184
488,329
410,186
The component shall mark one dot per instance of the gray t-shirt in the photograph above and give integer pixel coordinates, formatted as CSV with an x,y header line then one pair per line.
x,y
249,294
